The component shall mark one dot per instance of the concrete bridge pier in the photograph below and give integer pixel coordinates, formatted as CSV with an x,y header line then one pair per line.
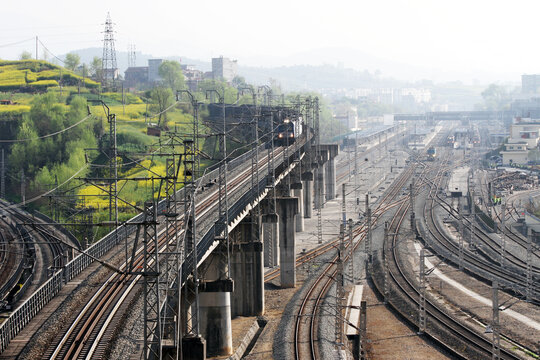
x,y
307,187
270,232
332,150
287,209
318,188
299,217
247,269
330,180
215,309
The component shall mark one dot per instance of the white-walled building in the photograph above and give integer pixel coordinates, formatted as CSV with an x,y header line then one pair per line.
x,y
524,136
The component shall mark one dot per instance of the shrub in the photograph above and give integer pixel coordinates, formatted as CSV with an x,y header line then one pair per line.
x,y
14,109
43,84
12,85
130,98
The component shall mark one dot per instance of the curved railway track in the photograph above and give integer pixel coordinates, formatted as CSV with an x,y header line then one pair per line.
x,y
311,302
22,270
91,331
438,319
487,266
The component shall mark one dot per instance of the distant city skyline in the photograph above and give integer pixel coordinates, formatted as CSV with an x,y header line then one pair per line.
x,y
461,40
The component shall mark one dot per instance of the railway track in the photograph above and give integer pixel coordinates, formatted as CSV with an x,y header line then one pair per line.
x,y
16,285
90,333
443,328
486,266
309,307
306,323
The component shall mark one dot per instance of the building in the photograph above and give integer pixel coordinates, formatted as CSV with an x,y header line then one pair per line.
x,y
224,68
348,117
192,76
136,75
524,136
515,152
143,75
153,70
530,84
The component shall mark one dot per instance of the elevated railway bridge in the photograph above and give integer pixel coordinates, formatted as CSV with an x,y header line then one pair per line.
x,y
196,273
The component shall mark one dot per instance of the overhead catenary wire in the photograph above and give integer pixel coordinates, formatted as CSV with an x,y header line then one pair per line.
x,y
229,156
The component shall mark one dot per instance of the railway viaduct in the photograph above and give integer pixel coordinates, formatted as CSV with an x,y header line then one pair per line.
x,y
223,276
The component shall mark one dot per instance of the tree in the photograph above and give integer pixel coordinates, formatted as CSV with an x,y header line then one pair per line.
x,y
171,73
25,55
162,97
72,61
96,67
239,81
495,97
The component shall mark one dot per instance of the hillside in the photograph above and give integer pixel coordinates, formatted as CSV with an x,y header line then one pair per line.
x,y
37,75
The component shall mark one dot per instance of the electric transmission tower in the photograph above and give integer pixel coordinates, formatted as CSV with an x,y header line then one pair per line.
x,y
108,67
132,57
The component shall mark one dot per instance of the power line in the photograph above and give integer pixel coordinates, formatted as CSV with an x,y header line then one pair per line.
x,y
17,42
161,112
48,135
47,192
56,57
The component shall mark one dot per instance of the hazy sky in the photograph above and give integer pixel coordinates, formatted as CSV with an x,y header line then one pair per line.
x,y
495,38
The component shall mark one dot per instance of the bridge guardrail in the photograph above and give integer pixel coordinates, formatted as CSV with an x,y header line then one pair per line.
x,y
26,311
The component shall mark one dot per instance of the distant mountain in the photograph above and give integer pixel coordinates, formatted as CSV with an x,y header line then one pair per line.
x,y
315,70
387,67
312,77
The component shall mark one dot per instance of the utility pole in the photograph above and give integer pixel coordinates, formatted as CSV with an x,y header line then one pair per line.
x,y
472,242
23,199
496,340
351,252
113,171
272,195
36,47
411,193
318,157
3,177
368,235
356,171
349,160
422,294
529,265
222,224
343,206
503,235
319,217
386,286
152,318
460,235
340,291
191,259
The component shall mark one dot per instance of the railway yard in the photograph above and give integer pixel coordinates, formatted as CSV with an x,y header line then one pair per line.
x,y
441,268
